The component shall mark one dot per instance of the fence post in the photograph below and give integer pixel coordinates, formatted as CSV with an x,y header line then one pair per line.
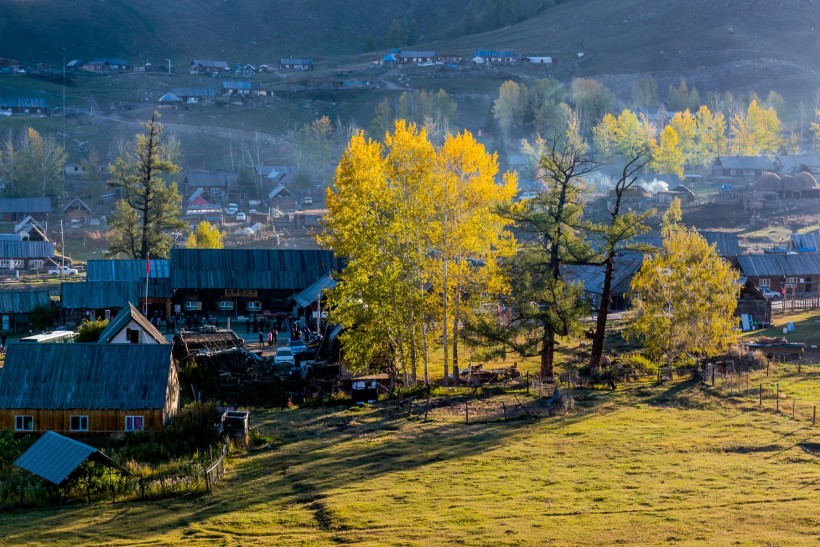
x,y
761,395
528,382
504,407
777,397
713,374
814,416
793,409
467,412
767,368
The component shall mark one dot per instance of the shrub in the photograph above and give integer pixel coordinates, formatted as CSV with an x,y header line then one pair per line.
x,y
89,331
745,359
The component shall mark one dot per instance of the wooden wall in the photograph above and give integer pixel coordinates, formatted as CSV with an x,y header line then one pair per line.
x,y
99,421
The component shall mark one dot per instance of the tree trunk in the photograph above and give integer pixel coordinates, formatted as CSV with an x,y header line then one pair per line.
x,y
547,354
603,313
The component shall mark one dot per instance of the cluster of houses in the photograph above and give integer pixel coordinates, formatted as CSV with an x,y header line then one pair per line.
x,y
481,57
126,380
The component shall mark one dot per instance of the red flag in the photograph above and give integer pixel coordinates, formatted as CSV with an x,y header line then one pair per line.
x,y
147,264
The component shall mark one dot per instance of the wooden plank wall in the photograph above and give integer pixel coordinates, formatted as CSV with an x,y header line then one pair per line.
x,y
99,421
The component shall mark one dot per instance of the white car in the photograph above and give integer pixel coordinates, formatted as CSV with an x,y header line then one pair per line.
x,y
284,356
241,217
232,209
64,269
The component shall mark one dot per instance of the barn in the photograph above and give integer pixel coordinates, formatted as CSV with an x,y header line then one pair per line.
x,y
82,388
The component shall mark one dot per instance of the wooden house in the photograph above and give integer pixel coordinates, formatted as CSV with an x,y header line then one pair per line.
x,y
792,165
494,56
130,326
16,209
19,254
105,66
417,57
216,185
24,105
741,167
15,307
77,213
283,199
113,284
244,281
203,66
30,230
300,64
248,89
84,388
195,95
794,274
752,302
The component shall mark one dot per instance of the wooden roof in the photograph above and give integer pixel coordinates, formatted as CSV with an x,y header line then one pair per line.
x,y
22,301
85,376
123,318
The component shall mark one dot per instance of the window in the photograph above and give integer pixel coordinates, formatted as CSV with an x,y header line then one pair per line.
x,y
4,263
255,306
132,335
791,280
763,283
734,172
226,305
35,263
134,423
193,305
78,423
24,423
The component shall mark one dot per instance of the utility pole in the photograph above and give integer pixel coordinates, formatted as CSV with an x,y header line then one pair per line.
x,y
169,66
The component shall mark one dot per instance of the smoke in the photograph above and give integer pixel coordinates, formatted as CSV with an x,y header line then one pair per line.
x,y
656,186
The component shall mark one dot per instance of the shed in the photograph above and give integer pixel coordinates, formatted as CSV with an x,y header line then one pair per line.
x,y
754,303
16,305
94,387
55,457
77,213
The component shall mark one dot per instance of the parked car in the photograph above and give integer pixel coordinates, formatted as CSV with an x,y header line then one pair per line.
x,y
241,217
66,270
770,294
298,346
307,200
232,209
284,356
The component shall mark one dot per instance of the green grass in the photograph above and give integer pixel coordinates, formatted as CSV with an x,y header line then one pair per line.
x,y
641,465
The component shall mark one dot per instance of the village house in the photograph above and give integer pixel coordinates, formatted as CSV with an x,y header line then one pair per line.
x,y
199,208
113,284
30,230
130,326
243,281
247,89
15,307
806,243
296,63
77,213
790,274
216,185
169,100
104,66
665,197
494,56
87,388
741,167
791,165
17,253
24,105
16,209
592,277
202,66
195,95
540,59
417,57
753,304
282,199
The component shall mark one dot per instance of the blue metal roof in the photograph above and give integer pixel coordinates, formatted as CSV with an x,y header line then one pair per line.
x,y
26,249
278,269
51,376
54,457
101,294
312,293
127,270
24,205
22,301
23,102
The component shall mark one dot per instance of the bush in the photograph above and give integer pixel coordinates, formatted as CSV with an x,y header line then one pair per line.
x,y
89,331
745,359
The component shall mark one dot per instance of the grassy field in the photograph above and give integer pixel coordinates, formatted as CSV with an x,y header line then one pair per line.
x,y
641,465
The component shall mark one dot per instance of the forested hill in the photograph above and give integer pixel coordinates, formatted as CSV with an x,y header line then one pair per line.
x,y
257,30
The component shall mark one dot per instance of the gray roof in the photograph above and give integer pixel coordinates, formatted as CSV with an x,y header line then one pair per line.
x,y
289,269
204,63
54,457
776,265
745,162
170,98
726,243
23,102
101,294
593,276
127,270
295,61
241,85
125,316
26,249
194,92
22,301
312,293
207,180
417,54
25,205
79,203
793,163
806,242
85,376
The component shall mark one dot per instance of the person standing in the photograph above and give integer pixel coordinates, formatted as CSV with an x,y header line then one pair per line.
x,y
270,338
261,339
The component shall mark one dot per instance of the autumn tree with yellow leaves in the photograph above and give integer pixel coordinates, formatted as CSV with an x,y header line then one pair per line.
x,y
417,227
